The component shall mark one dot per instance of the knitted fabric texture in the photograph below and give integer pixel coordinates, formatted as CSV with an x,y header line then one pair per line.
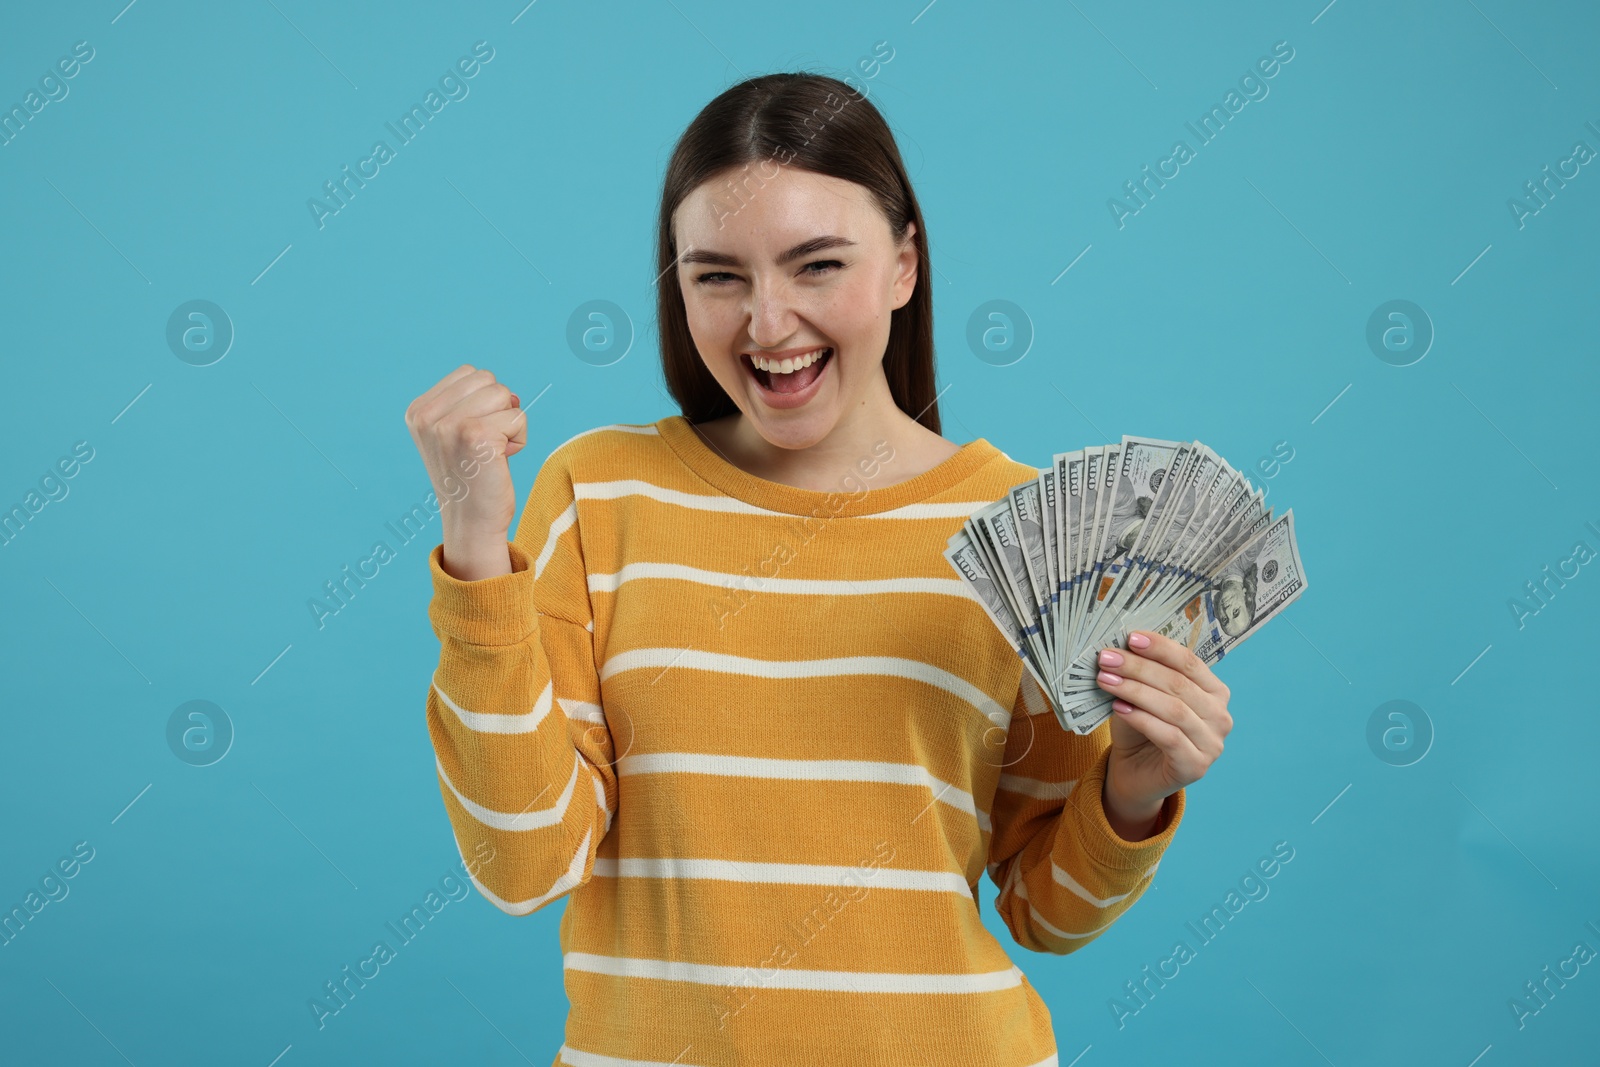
x,y
765,743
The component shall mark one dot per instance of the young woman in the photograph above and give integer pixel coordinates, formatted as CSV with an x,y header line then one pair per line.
x,y
722,688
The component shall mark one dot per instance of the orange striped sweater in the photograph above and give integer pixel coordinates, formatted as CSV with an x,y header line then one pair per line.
x,y
768,743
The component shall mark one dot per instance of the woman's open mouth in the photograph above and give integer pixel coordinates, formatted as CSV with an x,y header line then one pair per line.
x,y
792,389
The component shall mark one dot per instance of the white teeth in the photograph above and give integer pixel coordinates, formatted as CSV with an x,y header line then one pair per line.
x,y
787,366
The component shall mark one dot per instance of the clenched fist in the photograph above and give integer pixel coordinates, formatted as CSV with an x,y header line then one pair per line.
x,y
465,427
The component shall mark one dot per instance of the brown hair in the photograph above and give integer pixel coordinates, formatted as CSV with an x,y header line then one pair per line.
x,y
818,124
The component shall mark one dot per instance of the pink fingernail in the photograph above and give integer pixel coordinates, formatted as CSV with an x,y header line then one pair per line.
x,y
1110,657
1138,641
1110,679
1121,705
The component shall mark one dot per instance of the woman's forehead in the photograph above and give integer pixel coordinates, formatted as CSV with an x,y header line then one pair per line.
x,y
768,216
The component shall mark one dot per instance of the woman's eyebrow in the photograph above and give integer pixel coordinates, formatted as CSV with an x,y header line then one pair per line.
x,y
804,248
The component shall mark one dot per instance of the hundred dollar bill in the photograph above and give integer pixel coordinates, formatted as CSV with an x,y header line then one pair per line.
x,y
1194,625
995,531
1144,466
1262,579
1144,534
1088,577
1069,508
1216,533
1027,512
968,562
1052,549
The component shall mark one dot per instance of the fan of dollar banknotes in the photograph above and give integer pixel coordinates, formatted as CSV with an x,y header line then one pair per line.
x,y
1147,534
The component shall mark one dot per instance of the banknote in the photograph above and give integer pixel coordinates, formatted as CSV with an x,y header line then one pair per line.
x,y
969,563
1144,534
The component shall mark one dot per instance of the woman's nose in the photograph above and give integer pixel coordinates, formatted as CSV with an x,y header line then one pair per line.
x,y
771,314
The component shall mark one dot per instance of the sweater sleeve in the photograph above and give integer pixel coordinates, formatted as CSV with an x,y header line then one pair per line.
x,y
1064,875
522,749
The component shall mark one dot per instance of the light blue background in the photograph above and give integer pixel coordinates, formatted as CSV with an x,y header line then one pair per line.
x,y
1232,309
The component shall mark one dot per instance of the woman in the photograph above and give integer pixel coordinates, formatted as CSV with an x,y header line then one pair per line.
x,y
722,688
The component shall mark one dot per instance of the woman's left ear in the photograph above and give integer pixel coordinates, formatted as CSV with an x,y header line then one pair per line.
x,y
905,282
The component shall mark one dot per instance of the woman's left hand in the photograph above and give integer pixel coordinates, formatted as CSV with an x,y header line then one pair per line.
x,y
1167,723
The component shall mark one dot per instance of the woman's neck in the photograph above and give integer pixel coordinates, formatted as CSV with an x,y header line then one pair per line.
x,y
835,463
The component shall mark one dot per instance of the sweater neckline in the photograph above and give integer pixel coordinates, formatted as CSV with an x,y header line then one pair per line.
x,y
695,453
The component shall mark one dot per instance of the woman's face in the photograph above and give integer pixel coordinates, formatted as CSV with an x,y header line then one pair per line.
x,y
774,259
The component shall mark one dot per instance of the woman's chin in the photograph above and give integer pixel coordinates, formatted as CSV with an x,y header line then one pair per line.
x,y
794,429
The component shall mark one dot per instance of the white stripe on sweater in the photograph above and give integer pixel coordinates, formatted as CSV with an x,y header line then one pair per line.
x,y
608,583
1064,879
499,723
1021,890
571,1057
1033,699
793,977
520,722
583,710
821,770
753,873
623,487
893,666
522,820
558,526
568,879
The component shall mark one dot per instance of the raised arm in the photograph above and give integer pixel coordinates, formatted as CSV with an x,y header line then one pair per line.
x,y
523,754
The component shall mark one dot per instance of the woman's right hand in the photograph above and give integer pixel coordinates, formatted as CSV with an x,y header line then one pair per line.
x,y
465,427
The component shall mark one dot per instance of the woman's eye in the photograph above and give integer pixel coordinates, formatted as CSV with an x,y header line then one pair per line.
x,y
715,278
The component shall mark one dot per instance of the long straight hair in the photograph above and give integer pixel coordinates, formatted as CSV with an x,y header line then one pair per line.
x,y
818,124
